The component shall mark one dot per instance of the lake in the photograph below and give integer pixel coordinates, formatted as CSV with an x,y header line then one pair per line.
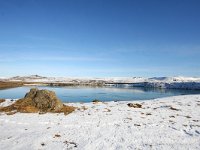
x,y
87,94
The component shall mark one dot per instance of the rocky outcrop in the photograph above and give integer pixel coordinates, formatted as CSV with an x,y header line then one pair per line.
x,y
44,100
41,101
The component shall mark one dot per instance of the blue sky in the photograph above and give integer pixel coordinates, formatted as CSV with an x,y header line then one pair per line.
x,y
100,38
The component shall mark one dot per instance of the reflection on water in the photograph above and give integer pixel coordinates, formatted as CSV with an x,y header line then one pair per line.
x,y
87,94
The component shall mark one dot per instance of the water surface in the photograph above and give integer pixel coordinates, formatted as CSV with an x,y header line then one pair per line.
x,y
87,94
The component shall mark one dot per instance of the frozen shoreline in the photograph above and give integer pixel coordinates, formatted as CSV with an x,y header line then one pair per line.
x,y
192,83
110,125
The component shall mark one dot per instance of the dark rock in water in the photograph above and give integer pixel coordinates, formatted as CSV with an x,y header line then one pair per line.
x,y
2,100
39,101
136,105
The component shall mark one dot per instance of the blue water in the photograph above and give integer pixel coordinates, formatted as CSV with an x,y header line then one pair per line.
x,y
87,94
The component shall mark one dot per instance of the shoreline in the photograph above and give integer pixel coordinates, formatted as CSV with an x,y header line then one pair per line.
x,y
14,84
163,123
187,83
7,85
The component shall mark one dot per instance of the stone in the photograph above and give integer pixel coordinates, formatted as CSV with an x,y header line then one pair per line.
x,y
136,105
41,101
46,100
96,101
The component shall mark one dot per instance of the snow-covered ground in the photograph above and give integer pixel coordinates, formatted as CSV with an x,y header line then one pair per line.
x,y
166,123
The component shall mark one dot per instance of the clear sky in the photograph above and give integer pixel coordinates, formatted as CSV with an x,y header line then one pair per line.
x,y
100,38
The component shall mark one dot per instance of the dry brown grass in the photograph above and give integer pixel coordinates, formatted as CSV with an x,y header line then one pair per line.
x,y
2,100
26,107
13,84
66,109
22,105
4,85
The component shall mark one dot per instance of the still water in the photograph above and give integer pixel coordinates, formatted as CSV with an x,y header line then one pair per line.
x,y
87,94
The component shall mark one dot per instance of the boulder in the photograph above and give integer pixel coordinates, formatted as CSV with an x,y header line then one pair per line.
x,y
39,101
45,100
136,105
96,101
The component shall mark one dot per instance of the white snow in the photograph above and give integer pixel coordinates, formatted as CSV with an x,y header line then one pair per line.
x,y
110,125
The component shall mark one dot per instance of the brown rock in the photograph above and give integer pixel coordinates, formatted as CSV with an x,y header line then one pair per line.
x,y
95,101
136,105
39,101
172,108
46,100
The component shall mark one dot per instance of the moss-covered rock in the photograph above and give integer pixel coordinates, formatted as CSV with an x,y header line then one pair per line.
x,y
39,101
